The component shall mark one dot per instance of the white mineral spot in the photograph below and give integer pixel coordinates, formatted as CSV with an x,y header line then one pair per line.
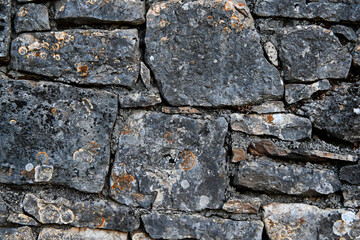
x,y
152,58
185,184
348,217
204,201
357,111
29,167
215,61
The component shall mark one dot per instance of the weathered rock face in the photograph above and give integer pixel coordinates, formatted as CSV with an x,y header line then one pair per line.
x,y
32,17
178,159
5,28
80,56
351,194
17,233
306,222
70,134
80,234
269,107
100,11
193,226
298,92
314,46
266,175
213,58
351,174
22,219
242,205
356,56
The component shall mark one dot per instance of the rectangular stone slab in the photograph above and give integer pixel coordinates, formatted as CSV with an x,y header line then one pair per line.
x,y
55,133
5,28
81,56
81,234
17,233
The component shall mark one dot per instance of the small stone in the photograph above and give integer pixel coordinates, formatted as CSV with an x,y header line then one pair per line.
x,y
269,107
22,219
178,226
139,98
297,92
145,75
243,206
17,233
32,17
80,234
271,53
356,56
43,173
5,29
137,235
181,110
284,126
345,31
350,174
351,194
238,155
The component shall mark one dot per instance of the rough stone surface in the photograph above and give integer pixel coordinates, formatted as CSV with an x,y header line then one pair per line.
x,y
80,234
5,28
140,236
183,110
54,133
22,219
346,32
298,92
356,56
4,212
204,68
17,233
32,17
191,226
100,11
271,53
306,222
269,107
351,194
284,126
242,205
350,174
139,98
80,56
266,175
314,46
93,214
171,162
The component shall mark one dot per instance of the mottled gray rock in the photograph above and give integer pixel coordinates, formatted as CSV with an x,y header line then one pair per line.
x,y
247,205
183,110
271,53
17,233
306,222
284,126
80,234
329,10
55,133
170,162
5,28
214,58
350,174
309,53
266,175
87,213
32,17
351,194
140,98
193,226
346,32
4,212
269,107
22,219
81,56
100,11
356,55
298,92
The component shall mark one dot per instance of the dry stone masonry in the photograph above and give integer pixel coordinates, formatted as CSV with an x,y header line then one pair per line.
x,y
179,119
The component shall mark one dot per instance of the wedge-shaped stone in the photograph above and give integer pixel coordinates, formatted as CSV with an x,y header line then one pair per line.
x,y
213,58
80,56
55,133
193,226
17,233
170,162
22,219
266,175
356,55
298,92
5,28
80,234
32,17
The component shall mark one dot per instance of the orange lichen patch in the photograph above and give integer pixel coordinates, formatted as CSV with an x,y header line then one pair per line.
x,y
169,137
126,131
164,39
138,196
93,147
357,49
235,22
210,18
9,91
53,111
227,29
56,57
60,36
163,23
22,50
41,155
123,182
229,6
188,160
341,107
83,69
102,223
28,174
13,121
55,47
270,119
45,45
241,4
43,55
23,11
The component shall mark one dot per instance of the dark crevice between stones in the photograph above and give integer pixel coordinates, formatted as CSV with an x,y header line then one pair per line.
x,y
333,140
264,234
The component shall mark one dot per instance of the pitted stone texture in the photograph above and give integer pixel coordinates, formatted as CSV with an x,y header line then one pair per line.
x,y
266,175
170,162
87,213
178,226
55,133
32,17
100,11
80,56
17,233
284,126
80,234
329,10
298,92
213,58
22,219
5,28
314,46
305,222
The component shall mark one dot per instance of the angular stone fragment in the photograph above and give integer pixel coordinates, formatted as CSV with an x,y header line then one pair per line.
x,y
269,107
17,233
345,31
356,55
284,126
80,56
242,205
329,10
266,175
271,53
314,46
351,174
22,219
170,162
139,98
298,92
183,110
89,213
305,222
214,58
145,75
80,234
32,17
239,154
55,133
5,28
100,11
178,226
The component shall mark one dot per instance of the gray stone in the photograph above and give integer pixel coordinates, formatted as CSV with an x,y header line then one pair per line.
x,y
243,206
271,53
140,236
328,10
87,213
80,234
100,11
314,46
266,175
145,75
356,56
284,126
17,233
306,222
4,212
32,17
351,194
298,92
345,31
213,58
140,98
22,219
350,174
55,133
5,28
170,162
80,56
178,226
269,107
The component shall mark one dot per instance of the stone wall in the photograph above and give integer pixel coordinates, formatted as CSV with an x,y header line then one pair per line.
x,y
179,119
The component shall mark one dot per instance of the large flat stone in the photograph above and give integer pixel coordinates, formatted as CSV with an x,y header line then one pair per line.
x,y
17,233
55,133
80,56
213,58
170,162
32,17
178,226
80,234
5,28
